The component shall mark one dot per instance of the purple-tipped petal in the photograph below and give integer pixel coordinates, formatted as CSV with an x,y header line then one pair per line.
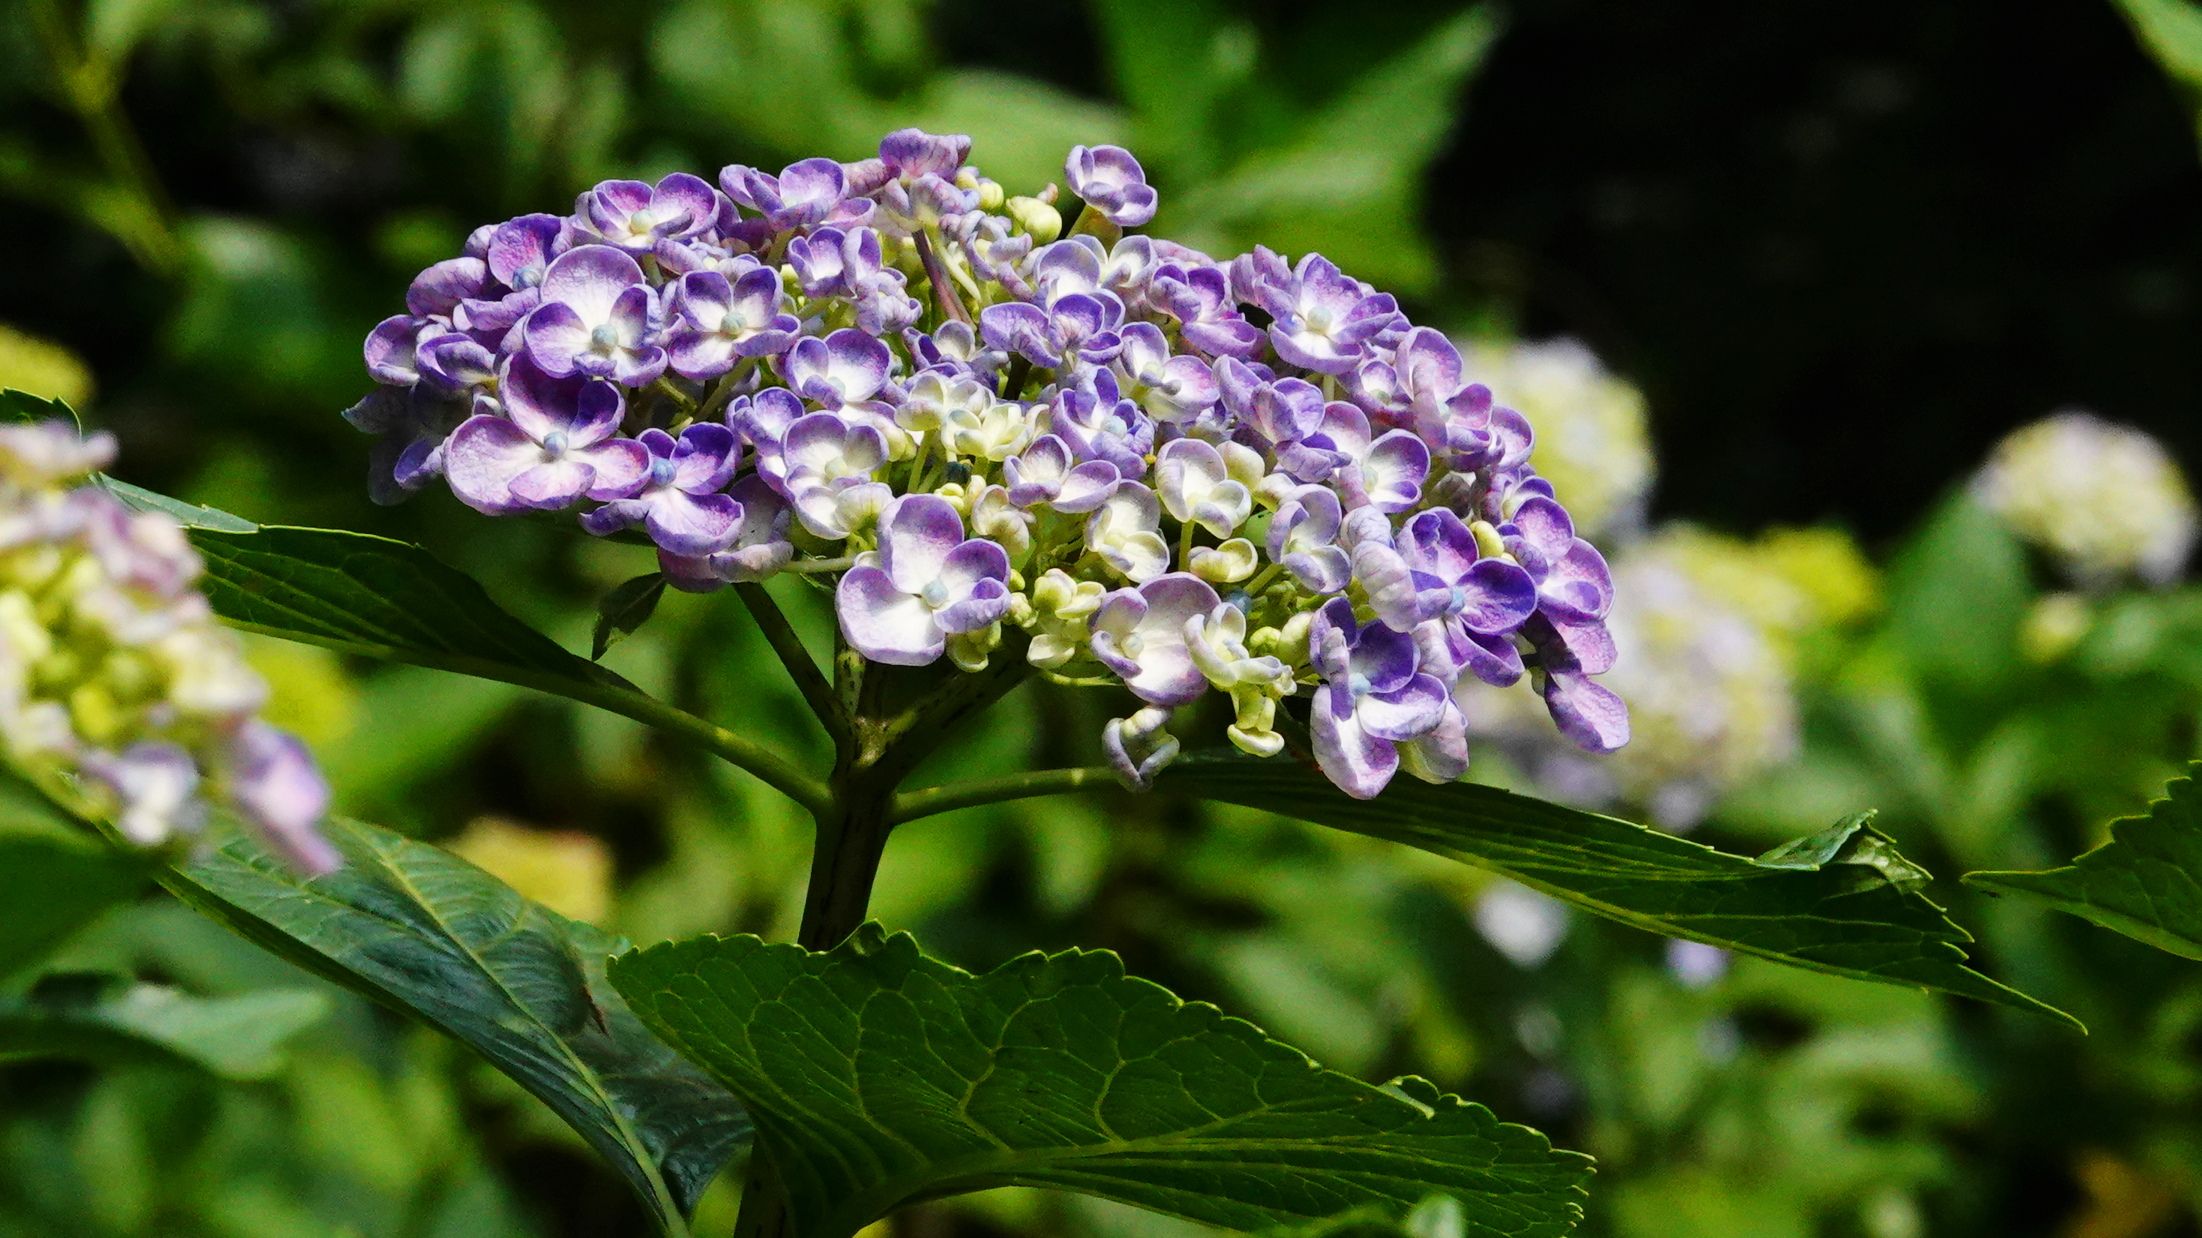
x,y
884,623
1355,761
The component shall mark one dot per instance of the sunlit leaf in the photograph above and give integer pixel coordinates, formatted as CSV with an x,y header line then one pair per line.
x,y
878,1076
429,934
2146,882
1842,901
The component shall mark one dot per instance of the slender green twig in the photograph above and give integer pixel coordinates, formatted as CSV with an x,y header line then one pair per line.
x,y
1031,784
817,691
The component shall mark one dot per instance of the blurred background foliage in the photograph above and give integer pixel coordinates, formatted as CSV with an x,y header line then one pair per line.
x,y
1820,258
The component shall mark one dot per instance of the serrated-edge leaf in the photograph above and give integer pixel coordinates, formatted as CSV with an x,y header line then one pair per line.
x,y
239,1036
877,1076
2145,882
1846,919
428,934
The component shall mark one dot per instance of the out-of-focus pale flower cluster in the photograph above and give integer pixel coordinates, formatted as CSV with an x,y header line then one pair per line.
x,y
2106,501
1593,436
1713,625
118,692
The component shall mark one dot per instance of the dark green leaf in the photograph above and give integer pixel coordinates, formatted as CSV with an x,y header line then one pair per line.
x,y
878,1076
1842,901
110,1019
428,934
380,598
628,606
2146,882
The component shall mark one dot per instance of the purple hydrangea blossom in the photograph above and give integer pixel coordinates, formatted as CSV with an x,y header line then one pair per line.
x,y
1108,180
1374,697
682,504
118,618
1140,634
722,321
554,443
925,583
635,217
596,319
1111,455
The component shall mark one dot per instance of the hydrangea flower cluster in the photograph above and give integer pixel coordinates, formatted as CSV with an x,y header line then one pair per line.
x,y
114,678
2140,521
1177,474
1714,625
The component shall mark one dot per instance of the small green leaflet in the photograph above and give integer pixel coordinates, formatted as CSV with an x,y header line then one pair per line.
x,y
113,1019
1841,901
628,606
429,934
877,1076
2146,882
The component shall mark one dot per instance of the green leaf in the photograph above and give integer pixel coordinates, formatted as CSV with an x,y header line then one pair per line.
x,y
368,595
1350,181
22,406
51,885
878,1076
426,933
56,876
1842,902
112,1019
628,606
379,598
2146,882
2171,32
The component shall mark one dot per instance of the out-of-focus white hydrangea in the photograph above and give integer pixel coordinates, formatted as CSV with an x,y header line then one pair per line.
x,y
1709,628
1593,437
1520,923
2105,500
118,692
